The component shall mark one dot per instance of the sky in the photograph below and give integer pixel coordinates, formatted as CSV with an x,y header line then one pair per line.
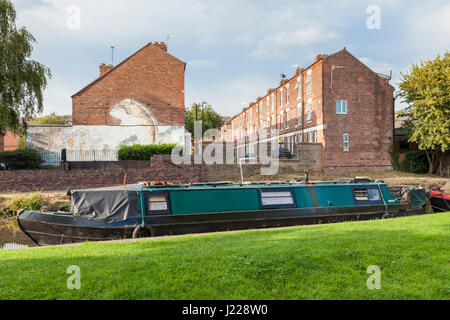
x,y
234,49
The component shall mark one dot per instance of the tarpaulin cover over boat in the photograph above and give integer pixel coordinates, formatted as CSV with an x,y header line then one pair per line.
x,y
107,204
417,198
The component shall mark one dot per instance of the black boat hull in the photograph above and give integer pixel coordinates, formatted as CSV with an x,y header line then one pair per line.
x,y
439,204
52,229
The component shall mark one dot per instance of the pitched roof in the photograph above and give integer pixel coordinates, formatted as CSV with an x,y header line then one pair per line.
x,y
120,64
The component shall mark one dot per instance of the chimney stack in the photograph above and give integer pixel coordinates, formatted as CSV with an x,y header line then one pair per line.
x,y
105,68
161,45
319,57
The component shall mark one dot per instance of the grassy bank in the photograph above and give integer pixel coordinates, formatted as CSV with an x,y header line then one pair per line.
x,y
11,203
308,262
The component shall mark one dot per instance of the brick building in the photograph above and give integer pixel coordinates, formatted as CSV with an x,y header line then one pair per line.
x,y
9,141
338,102
139,101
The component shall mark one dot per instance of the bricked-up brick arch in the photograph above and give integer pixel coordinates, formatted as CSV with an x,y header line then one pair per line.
x,y
130,112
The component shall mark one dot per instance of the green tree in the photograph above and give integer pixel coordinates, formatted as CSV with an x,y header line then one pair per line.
x,y
426,90
51,119
211,119
22,80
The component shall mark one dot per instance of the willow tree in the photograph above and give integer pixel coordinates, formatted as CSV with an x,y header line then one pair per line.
x,y
426,90
22,79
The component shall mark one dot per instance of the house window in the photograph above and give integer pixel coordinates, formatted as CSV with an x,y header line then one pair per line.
x,y
315,136
272,121
299,88
268,104
281,120
310,137
346,142
277,198
341,106
268,122
299,113
281,96
308,81
287,118
287,94
273,101
309,111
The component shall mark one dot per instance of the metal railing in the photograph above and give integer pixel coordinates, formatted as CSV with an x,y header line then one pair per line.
x,y
53,159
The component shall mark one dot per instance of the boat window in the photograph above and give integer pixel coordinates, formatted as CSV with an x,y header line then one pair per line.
x,y
361,194
157,203
374,195
277,198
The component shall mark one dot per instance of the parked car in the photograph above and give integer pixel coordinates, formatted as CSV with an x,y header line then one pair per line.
x,y
285,154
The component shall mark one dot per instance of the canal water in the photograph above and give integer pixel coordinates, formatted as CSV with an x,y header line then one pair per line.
x,y
11,237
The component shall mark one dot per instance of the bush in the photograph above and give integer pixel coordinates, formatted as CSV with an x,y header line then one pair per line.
x,y
144,152
21,159
415,162
34,201
51,119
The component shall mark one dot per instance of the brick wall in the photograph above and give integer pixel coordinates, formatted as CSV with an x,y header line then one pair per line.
x,y
151,76
98,175
369,120
9,141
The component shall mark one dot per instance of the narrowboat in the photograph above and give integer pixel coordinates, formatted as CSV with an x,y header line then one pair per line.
x,y
136,211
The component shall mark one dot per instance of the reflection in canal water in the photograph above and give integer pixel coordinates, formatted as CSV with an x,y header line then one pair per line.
x,y
12,237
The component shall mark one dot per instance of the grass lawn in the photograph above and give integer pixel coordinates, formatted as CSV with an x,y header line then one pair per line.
x,y
308,262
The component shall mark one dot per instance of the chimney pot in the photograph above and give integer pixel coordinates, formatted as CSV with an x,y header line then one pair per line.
x,y
161,45
105,68
319,57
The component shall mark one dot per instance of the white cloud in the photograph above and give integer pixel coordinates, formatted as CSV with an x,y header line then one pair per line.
x,y
284,43
245,38
428,30
379,67
202,64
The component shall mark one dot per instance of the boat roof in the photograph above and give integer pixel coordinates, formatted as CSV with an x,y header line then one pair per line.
x,y
203,186
227,185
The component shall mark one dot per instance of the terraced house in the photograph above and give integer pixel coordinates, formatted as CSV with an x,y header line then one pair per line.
x,y
337,102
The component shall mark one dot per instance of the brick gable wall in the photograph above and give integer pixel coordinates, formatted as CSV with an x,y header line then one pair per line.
x,y
151,77
369,121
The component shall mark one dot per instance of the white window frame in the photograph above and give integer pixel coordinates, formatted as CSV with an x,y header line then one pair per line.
x,y
299,88
309,81
315,136
287,118
287,94
309,137
281,120
309,111
299,113
268,105
346,140
281,96
273,102
341,109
